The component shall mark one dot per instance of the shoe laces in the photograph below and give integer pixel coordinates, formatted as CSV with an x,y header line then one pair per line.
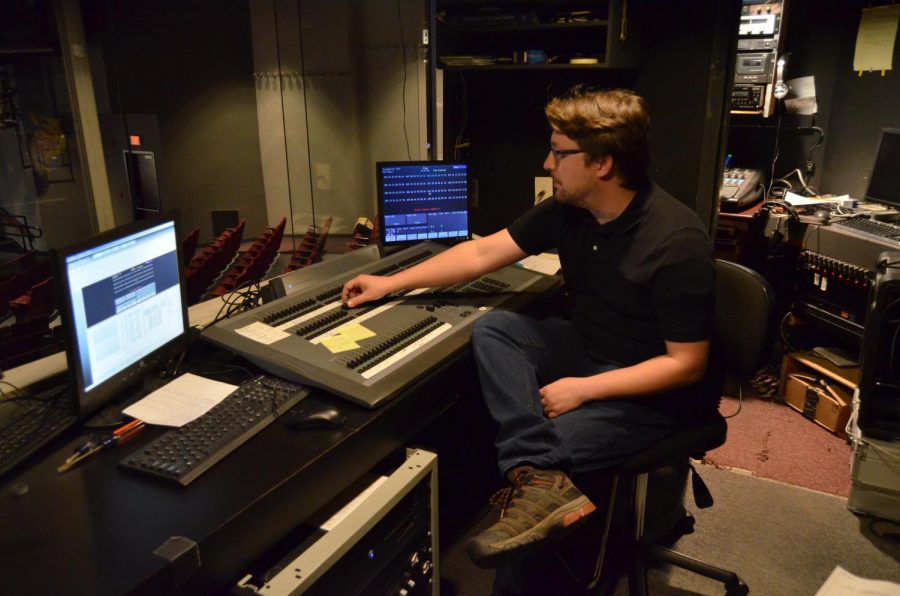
x,y
505,497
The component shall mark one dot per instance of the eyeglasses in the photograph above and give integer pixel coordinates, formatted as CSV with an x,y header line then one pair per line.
x,y
558,154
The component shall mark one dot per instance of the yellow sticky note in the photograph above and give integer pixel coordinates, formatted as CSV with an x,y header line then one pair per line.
x,y
356,331
338,343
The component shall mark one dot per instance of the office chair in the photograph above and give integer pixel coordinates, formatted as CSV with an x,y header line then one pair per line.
x,y
740,338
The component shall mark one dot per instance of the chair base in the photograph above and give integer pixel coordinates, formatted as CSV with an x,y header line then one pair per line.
x,y
646,523
734,585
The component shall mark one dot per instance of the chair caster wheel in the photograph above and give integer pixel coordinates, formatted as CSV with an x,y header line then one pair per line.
x,y
685,524
738,588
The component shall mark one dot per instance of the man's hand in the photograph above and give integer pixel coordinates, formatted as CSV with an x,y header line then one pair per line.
x,y
564,395
364,288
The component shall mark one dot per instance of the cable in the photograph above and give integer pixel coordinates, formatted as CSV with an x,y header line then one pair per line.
x,y
819,142
464,119
781,332
886,535
888,456
403,90
776,149
806,187
896,321
284,126
240,299
224,368
312,200
740,402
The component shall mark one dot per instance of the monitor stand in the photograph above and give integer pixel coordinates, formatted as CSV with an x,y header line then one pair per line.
x,y
111,416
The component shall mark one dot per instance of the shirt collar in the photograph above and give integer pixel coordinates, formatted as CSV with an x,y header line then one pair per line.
x,y
629,218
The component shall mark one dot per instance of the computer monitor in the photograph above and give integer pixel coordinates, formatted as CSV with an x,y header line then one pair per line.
x,y
884,183
123,305
423,200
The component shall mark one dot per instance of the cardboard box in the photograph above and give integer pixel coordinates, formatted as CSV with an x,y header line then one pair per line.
x,y
819,392
824,404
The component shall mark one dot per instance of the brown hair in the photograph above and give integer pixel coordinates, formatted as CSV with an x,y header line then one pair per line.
x,y
606,123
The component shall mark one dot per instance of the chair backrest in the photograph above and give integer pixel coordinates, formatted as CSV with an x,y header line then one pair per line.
x,y
189,246
742,318
740,341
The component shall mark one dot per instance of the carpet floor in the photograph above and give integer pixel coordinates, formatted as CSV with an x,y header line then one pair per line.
x,y
780,539
769,439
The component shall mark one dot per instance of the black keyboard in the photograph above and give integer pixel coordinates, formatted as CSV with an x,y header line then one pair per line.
x,y
871,228
182,454
29,425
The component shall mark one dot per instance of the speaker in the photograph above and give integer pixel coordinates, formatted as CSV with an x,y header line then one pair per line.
x,y
879,376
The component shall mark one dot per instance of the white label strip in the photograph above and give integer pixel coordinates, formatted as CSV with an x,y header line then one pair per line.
x,y
319,311
261,333
407,350
368,315
347,509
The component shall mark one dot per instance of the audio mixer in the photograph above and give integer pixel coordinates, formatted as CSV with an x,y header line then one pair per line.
x,y
370,353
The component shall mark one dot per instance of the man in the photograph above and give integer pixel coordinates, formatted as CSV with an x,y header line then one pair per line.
x,y
586,393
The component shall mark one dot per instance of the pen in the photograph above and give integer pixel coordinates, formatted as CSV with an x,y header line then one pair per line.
x,y
94,445
127,428
78,456
126,433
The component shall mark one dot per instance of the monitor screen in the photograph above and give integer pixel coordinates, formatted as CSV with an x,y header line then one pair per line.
x,y
884,184
122,301
423,200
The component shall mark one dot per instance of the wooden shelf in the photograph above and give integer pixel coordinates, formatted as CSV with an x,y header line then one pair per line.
x,y
467,29
25,48
564,66
506,29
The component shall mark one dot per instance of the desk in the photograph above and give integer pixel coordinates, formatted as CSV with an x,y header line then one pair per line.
x,y
735,239
97,528
94,529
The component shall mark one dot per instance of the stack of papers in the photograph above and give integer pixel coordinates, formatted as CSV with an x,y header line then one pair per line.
x,y
546,263
799,201
843,583
180,400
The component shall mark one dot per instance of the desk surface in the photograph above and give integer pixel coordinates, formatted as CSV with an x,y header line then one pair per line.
x,y
747,213
95,529
98,528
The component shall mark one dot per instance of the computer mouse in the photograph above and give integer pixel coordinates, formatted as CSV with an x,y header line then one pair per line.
x,y
314,417
822,214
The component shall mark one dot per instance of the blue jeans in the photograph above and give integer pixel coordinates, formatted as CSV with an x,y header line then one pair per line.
x,y
516,356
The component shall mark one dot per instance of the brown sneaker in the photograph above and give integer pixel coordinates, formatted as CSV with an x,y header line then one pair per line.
x,y
540,504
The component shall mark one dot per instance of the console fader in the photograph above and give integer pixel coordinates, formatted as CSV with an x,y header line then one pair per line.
x,y
369,354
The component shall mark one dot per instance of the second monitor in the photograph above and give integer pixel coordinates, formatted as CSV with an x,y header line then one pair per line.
x,y
423,200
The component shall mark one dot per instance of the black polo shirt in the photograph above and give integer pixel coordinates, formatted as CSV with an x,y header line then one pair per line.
x,y
643,278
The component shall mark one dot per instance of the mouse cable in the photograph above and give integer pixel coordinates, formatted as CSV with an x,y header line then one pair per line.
x,y
740,402
885,534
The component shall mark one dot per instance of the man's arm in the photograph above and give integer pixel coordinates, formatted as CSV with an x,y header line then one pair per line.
x,y
682,364
464,261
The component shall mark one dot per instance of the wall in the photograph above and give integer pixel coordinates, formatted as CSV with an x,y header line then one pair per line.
x,y
861,107
190,64
351,94
498,114
820,38
687,54
271,108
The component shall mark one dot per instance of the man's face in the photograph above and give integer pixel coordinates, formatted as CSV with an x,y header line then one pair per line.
x,y
573,177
